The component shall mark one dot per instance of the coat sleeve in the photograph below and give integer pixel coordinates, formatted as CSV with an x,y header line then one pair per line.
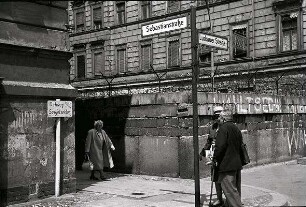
x,y
221,144
107,140
88,141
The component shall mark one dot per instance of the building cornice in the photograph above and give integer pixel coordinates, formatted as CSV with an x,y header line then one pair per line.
x,y
23,49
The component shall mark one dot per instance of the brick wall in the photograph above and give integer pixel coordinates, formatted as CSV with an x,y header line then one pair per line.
x,y
152,133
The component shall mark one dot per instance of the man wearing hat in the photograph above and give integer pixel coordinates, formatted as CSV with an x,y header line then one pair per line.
x,y
210,146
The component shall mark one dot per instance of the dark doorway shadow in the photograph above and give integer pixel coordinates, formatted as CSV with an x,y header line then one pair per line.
x,y
113,111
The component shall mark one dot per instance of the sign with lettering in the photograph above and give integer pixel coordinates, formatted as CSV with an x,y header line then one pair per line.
x,y
59,108
165,26
213,41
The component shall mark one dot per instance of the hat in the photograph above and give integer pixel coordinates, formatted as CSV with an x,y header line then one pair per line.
x,y
218,109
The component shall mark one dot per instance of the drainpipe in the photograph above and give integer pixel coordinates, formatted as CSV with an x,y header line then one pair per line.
x,y
253,28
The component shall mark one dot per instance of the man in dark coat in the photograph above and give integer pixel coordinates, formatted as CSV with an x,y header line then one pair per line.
x,y
227,158
210,146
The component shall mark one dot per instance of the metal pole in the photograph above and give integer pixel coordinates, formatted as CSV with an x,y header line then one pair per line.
x,y
212,62
195,76
58,155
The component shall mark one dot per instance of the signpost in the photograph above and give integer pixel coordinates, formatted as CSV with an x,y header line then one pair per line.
x,y
195,128
213,41
210,40
58,109
165,26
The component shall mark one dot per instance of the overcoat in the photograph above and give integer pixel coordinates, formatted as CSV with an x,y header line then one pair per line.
x,y
99,147
227,148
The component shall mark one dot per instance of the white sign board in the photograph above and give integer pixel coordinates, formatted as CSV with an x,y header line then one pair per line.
x,y
165,26
59,108
213,41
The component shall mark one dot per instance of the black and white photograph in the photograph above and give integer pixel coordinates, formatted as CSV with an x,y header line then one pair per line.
x,y
187,103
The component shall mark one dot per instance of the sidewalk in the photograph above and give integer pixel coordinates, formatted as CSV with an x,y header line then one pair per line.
x,y
149,191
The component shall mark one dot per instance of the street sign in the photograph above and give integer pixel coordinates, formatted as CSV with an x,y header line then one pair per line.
x,y
213,41
165,26
59,108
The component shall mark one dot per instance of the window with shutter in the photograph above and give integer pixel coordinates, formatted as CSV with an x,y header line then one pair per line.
x,y
240,42
173,53
146,57
79,21
121,60
81,66
99,63
146,9
121,12
97,17
173,6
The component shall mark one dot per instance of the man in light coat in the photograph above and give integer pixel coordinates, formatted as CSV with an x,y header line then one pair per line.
x,y
97,147
227,158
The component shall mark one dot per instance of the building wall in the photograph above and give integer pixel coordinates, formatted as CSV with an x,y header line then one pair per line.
x,y
34,68
28,150
264,64
152,132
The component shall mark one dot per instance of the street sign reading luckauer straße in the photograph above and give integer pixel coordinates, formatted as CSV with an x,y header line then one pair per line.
x,y
164,26
213,41
59,108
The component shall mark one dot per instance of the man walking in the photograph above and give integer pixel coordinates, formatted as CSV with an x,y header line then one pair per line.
x,y
227,158
211,140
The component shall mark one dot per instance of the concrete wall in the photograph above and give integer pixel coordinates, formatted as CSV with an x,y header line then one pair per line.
x,y
152,133
27,149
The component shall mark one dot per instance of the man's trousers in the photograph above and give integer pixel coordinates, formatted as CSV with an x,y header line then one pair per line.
x,y
231,186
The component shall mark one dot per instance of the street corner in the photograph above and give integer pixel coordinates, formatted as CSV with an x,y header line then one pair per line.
x,y
256,196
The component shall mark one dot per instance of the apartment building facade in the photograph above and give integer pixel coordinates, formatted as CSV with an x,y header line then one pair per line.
x,y
266,41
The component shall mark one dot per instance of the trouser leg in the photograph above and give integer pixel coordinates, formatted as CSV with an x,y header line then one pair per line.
x,y
228,182
238,181
219,191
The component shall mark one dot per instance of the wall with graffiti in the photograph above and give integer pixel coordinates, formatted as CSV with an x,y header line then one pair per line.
x,y
154,131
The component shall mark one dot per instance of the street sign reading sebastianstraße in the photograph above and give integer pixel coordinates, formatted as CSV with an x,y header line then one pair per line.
x,y
59,109
164,26
213,41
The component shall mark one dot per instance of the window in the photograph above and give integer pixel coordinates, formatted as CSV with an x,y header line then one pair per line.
x,y
173,53
79,20
289,32
120,12
146,56
80,60
288,17
173,6
146,9
204,51
97,16
98,58
239,41
80,65
121,59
